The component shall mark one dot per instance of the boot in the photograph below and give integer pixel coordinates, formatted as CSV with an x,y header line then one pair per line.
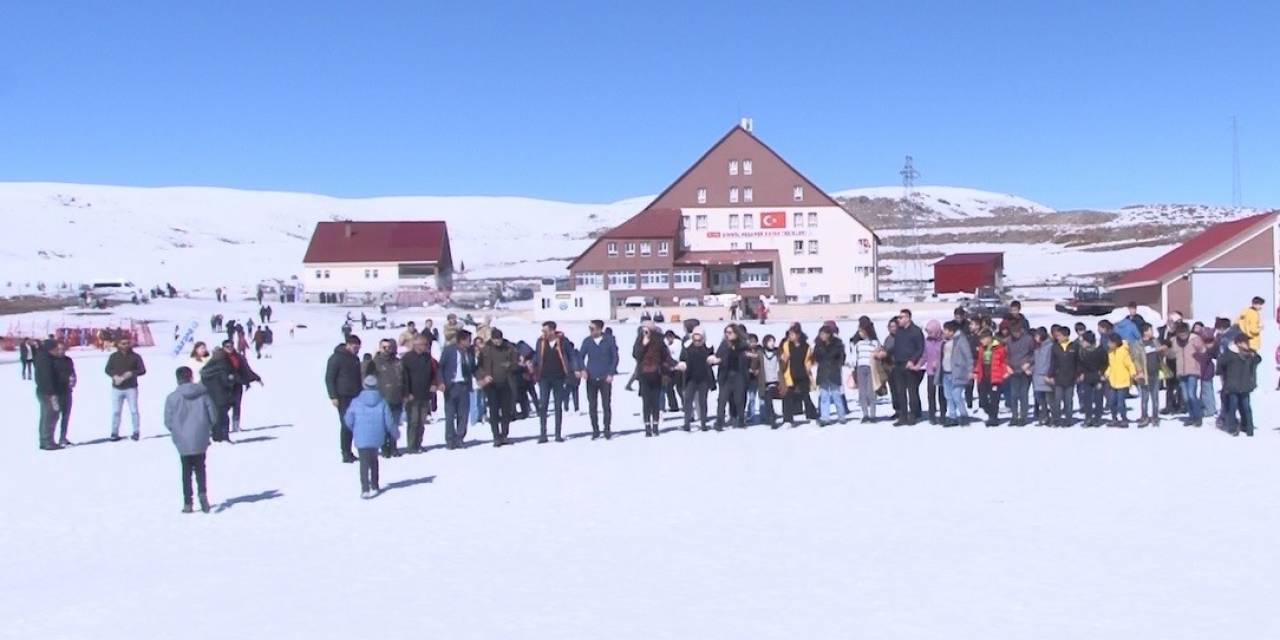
x,y
235,426
186,508
204,503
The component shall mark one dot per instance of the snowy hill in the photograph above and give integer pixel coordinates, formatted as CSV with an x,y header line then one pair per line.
x,y
199,236
949,203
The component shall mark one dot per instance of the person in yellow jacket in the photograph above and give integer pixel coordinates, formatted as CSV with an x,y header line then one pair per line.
x,y
1121,374
1250,323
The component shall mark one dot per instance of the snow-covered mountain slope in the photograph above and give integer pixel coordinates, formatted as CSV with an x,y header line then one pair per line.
x,y
201,236
949,203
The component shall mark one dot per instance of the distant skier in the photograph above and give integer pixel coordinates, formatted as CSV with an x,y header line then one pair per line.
x,y
189,415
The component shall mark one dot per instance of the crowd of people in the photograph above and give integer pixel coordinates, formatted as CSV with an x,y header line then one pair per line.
x,y
1057,376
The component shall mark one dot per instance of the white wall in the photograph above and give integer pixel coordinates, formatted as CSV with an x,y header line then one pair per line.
x,y
843,246
350,277
582,304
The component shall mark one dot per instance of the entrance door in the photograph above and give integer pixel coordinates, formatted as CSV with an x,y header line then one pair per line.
x,y
724,280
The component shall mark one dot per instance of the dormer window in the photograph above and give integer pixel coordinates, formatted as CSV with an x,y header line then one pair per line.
x,y
733,167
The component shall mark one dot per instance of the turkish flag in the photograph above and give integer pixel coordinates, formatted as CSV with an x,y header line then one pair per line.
x,y
773,220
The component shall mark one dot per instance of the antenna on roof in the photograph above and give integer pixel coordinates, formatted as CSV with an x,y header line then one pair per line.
x,y
1237,194
748,124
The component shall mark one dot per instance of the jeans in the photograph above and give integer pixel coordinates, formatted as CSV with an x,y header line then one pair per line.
x,y
1091,401
457,410
1019,384
1238,403
551,391
344,434
953,387
48,418
830,396
1149,398
866,392
1062,405
753,392
192,467
937,396
501,399
369,470
1044,406
732,395
1208,397
476,412
415,420
118,398
767,414
695,395
1119,408
1191,394
600,392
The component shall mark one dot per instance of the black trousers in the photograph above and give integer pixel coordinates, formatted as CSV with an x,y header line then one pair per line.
x,y
989,399
344,434
673,391
222,427
907,403
500,398
237,397
64,403
695,396
193,467
598,392
733,394
1019,384
651,401
369,470
416,411
551,393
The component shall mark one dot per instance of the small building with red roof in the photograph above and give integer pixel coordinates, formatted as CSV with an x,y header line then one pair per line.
x,y
741,220
966,272
1213,274
368,259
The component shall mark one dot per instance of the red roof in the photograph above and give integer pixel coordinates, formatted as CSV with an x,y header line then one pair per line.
x,y
715,258
650,223
378,242
970,258
1182,256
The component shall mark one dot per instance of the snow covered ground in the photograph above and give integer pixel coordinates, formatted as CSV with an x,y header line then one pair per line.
x,y
849,531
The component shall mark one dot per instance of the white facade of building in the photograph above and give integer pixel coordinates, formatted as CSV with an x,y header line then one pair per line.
x,y
369,277
824,253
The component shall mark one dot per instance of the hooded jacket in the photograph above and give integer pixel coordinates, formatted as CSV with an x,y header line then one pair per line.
x,y
1239,370
1250,322
218,379
999,363
342,374
697,371
189,415
1121,369
933,347
1064,363
369,420
829,357
962,356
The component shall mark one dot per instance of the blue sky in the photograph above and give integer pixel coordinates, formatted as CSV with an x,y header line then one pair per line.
x,y
1072,104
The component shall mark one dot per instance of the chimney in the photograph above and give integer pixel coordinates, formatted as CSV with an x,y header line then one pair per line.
x,y
747,124
346,231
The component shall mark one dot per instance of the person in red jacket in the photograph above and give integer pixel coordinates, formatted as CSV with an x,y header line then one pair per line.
x,y
990,369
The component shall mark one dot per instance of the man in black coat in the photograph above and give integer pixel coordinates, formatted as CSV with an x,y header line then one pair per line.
x,y
907,352
420,383
219,378
64,382
1064,373
732,360
46,393
343,381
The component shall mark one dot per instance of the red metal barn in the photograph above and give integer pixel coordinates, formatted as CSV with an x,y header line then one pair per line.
x,y
965,272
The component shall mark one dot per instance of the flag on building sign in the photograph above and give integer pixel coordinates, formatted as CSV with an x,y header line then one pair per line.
x,y
773,220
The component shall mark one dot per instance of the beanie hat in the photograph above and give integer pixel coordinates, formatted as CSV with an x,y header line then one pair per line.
x,y
371,382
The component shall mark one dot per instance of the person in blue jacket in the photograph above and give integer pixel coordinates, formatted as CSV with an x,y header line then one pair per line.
x,y
597,365
369,420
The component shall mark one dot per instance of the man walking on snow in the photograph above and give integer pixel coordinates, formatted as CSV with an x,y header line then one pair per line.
x,y
342,379
457,370
125,367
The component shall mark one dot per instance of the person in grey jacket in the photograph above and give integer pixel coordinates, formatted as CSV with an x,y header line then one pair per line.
x,y
1020,349
1041,365
189,415
956,367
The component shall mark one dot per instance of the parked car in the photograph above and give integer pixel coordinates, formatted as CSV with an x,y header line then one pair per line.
x,y
988,301
1087,301
690,302
638,301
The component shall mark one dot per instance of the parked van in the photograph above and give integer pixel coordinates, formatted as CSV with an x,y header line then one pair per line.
x,y
115,290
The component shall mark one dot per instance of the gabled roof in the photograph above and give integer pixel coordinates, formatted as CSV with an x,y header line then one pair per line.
x,y
650,223
970,258
399,241
1197,248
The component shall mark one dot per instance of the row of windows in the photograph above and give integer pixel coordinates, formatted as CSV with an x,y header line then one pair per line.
x,y
644,248
748,221
322,274
733,167
682,278
797,247
747,194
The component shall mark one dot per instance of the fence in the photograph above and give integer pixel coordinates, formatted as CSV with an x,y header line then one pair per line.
x,y
100,336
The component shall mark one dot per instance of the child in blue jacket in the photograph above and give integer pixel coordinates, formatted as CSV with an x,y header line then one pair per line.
x,y
370,422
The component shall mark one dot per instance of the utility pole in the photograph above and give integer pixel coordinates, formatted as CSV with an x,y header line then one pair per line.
x,y
914,266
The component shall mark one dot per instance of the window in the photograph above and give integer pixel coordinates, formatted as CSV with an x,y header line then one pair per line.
x,y
797,193
655,279
755,277
664,248
797,220
748,221
702,195
646,248
815,269
863,271
733,246
622,280
733,194
612,249
747,246
318,272
813,219
793,299
701,221
687,279
588,280
821,299
733,221
747,194
813,246
684,222
746,167
799,247
407,271
856,297
326,274
629,248
733,167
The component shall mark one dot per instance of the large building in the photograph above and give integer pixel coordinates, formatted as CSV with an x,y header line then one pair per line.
x,y
1213,274
740,220
369,260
